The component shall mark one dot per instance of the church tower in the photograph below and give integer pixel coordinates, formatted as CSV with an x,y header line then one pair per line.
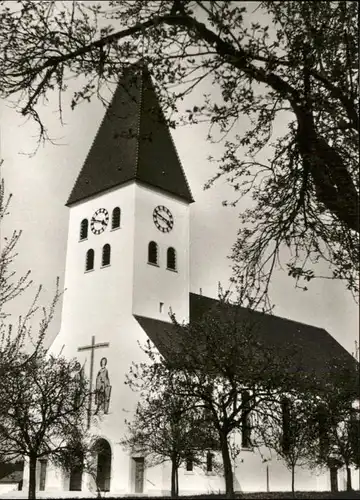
x,y
127,256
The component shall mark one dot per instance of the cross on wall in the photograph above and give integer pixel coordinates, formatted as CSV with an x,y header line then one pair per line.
x,y
92,348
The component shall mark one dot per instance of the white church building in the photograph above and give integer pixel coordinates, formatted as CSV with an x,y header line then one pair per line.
x,y
127,264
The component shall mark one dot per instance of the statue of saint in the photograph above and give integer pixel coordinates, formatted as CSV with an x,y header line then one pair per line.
x,y
102,388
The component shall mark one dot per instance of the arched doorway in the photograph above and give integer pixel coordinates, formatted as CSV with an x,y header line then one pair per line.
x,y
103,469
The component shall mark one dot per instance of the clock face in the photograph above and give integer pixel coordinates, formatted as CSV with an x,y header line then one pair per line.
x,y
163,219
99,221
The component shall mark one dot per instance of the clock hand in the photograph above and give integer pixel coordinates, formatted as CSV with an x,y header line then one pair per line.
x,y
164,219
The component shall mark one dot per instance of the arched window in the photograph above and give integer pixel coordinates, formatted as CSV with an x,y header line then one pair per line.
x,y
89,265
171,259
153,253
115,219
84,229
106,253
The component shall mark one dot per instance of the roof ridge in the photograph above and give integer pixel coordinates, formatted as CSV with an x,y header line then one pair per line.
x,y
267,314
141,98
176,151
94,138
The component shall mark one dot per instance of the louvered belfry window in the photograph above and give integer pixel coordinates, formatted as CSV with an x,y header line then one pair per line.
x,y
89,265
116,216
106,254
153,253
171,259
84,226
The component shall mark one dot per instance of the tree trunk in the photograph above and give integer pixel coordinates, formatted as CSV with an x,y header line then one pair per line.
x,y
228,472
348,479
32,477
173,477
293,480
177,480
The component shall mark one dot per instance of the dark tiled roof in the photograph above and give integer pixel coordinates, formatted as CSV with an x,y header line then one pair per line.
x,y
11,472
13,477
133,143
315,346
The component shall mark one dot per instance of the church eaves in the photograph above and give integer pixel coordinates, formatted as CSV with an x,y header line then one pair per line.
x,y
133,143
316,350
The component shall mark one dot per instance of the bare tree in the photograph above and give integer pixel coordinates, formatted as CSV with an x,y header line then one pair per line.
x,y
43,410
335,418
209,365
15,336
291,61
168,428
285,430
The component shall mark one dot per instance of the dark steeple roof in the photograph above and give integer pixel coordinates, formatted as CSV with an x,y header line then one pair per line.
x,y
133,143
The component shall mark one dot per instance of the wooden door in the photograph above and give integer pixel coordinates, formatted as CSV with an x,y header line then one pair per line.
x,y
139,474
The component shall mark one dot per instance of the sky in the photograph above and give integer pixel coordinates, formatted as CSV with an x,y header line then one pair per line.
x,y
41,184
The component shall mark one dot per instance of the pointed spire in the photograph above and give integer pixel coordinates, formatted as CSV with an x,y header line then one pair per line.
x,y
133,143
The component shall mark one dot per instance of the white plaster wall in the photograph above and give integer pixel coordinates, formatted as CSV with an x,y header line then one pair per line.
x,y
6,487
152,284
95,301
102,303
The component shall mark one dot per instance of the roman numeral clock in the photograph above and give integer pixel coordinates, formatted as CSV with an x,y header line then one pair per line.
x,y
99,221
163,219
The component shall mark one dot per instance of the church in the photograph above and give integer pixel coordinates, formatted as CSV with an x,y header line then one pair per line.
x,y
127,265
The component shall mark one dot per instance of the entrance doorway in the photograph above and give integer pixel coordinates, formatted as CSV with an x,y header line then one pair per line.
x,y
139,467
103,471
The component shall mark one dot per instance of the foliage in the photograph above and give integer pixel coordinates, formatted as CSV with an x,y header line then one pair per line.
x,y
208,364
336,420
167,428
12,336
81,456
285,430
43,409
275,62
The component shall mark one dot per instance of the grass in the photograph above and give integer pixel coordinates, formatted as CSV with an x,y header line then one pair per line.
x,y
274,495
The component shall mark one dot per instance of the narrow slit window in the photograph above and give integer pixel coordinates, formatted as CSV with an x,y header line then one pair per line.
x,y
171,259
286,435
161,306
90,255
153,253
209,461
106,254
189,464
84,226
245,420
116,217
323,431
